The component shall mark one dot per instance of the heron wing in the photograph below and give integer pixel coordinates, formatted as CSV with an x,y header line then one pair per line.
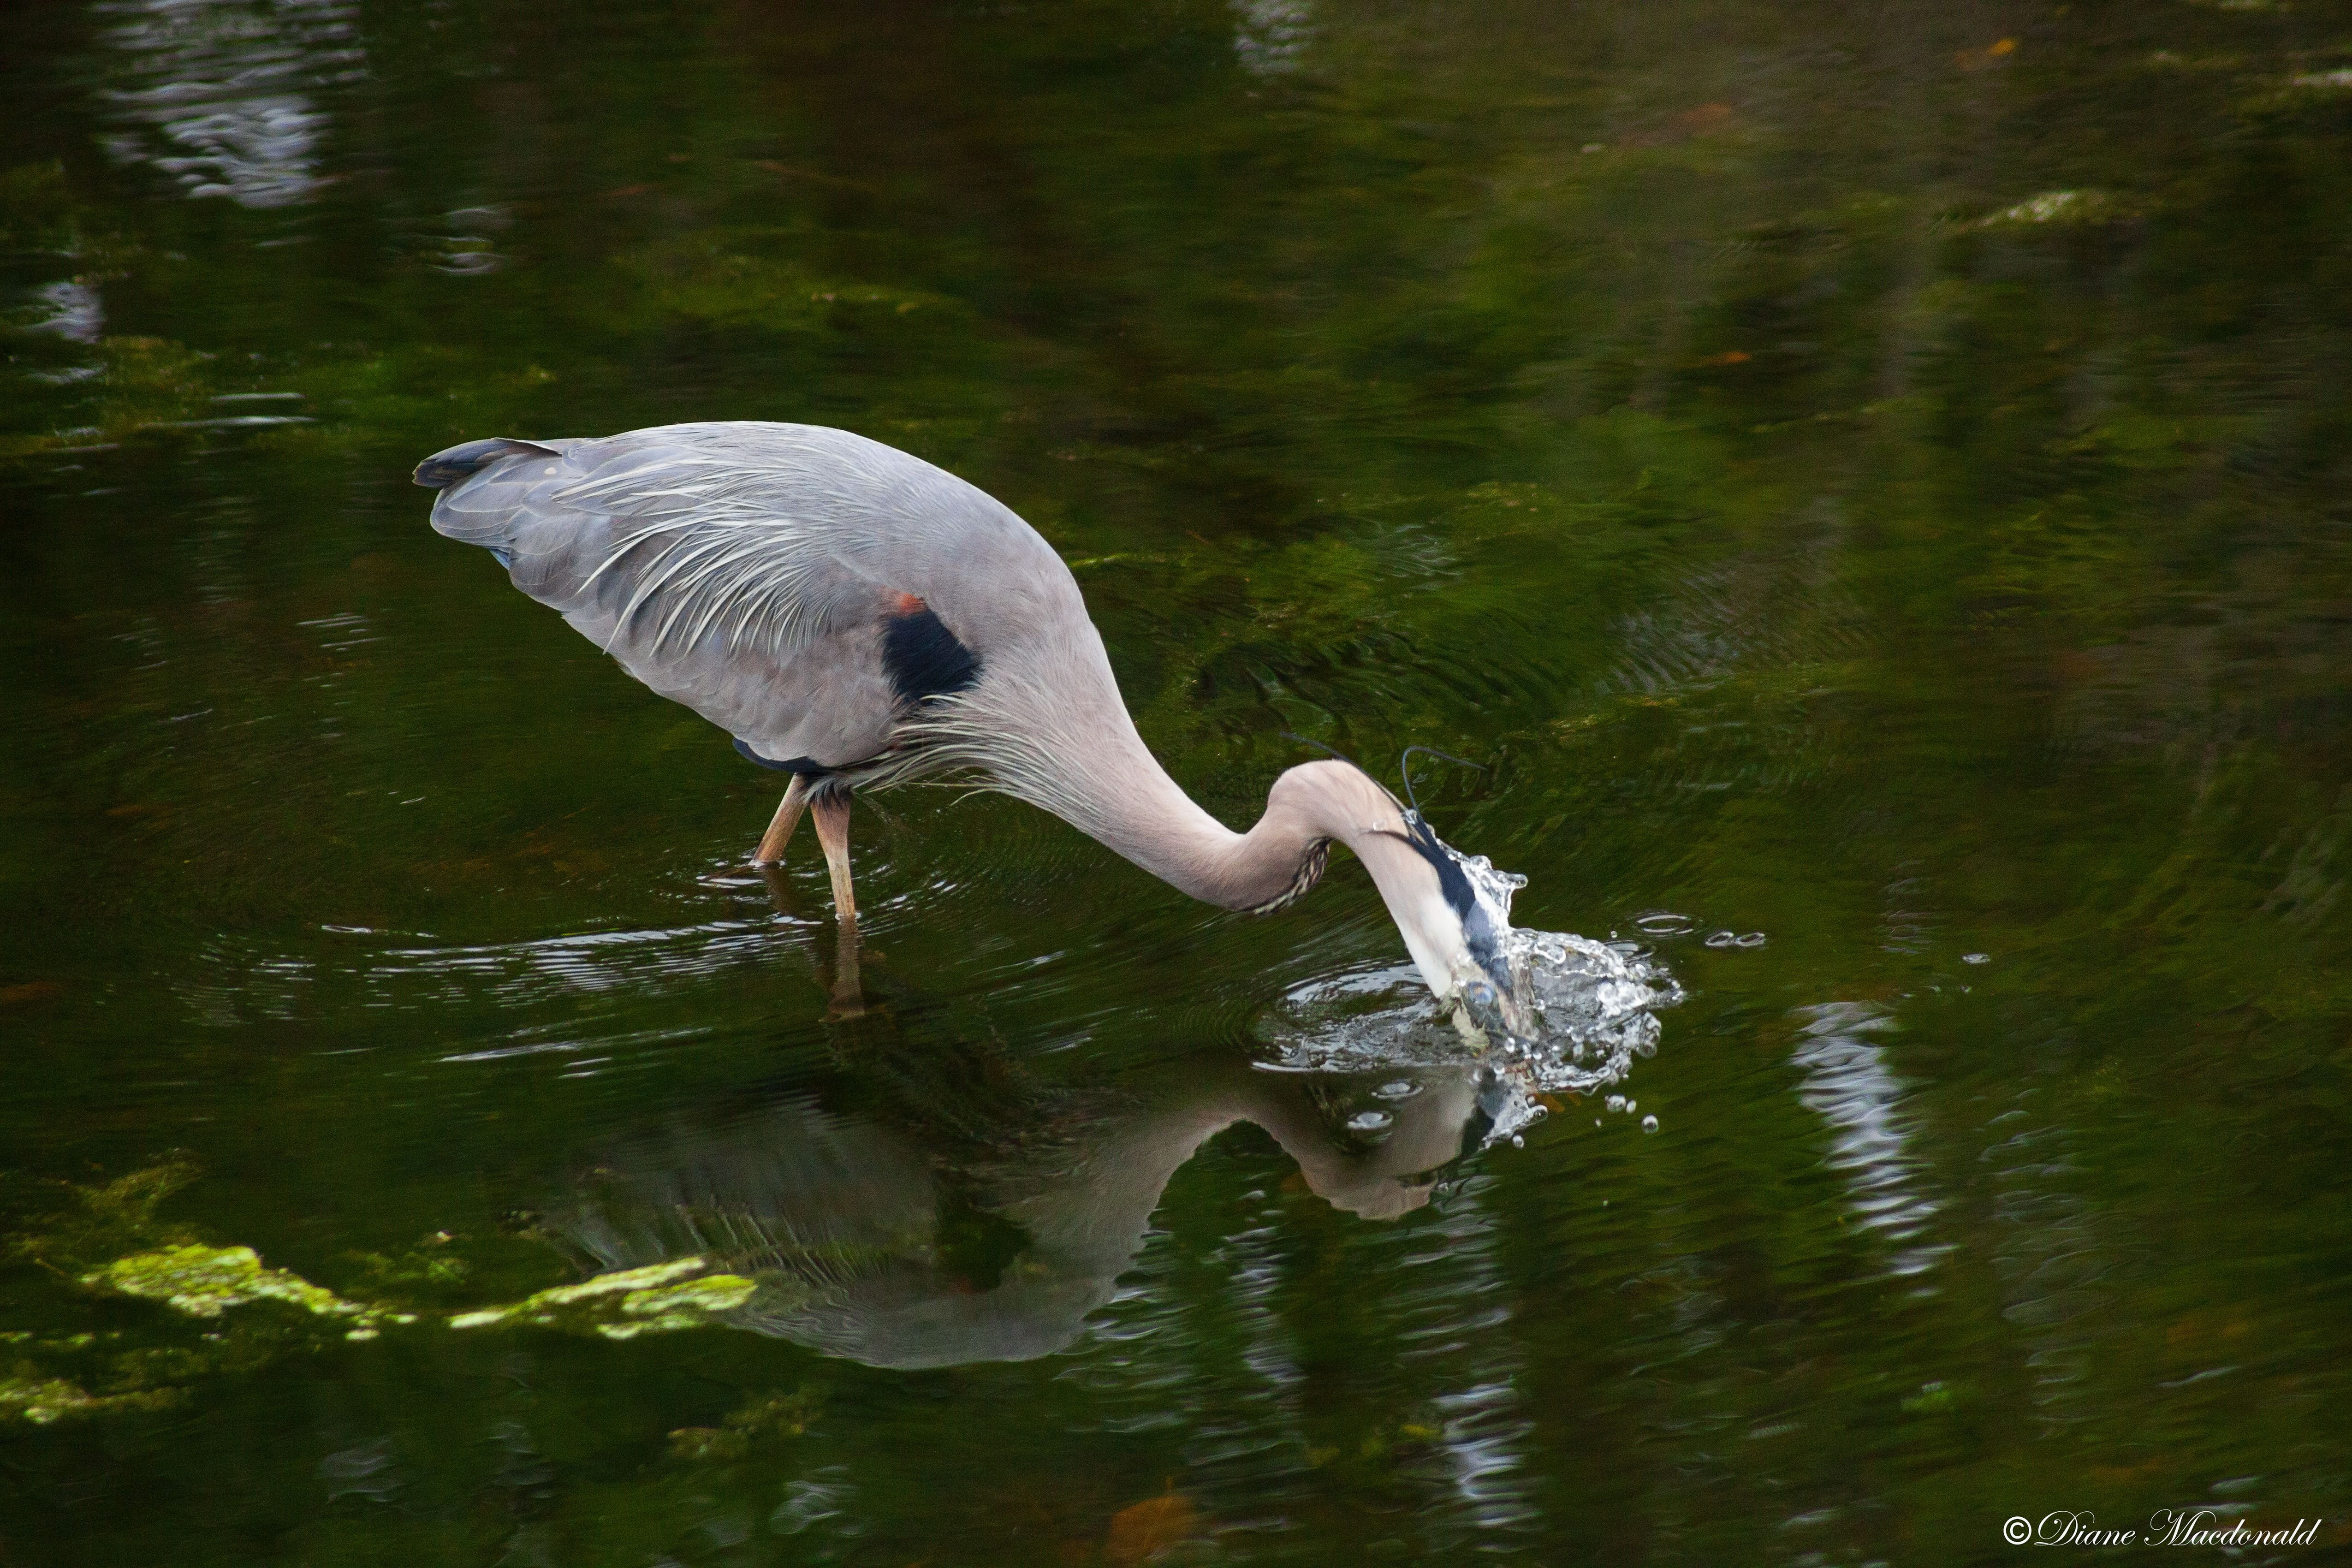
x,y
741,570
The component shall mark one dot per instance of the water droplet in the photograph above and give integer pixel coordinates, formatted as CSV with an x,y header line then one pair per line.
x,y
1976,958
1649,1124
1616,1102
1632,1106
1517,1141
1370,1122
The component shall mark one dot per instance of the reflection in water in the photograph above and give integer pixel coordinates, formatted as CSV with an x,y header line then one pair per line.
x,y
219,101
2054,1258
1486,1422
71,310
1270,37
1848,1084
900,1246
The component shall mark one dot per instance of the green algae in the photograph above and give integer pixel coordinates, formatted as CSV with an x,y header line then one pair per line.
x,y
37,1397
75,1375
674,1307
658,1297
39,1401
107,1221
206,1281
106,1238
760,1416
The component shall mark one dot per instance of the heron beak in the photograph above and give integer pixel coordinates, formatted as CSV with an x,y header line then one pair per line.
x,y
1459,940
1493,999
1492,991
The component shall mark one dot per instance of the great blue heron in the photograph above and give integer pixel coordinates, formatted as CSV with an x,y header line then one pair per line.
x,y
857,618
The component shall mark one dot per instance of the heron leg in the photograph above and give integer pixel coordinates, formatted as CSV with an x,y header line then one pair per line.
x,y
770,851
849,995
831,810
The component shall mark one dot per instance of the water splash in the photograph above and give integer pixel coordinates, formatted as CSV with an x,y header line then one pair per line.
x,y
1595,1004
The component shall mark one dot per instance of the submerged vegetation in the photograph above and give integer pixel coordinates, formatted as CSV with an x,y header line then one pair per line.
x,y
202,1281
680,1294
206,1281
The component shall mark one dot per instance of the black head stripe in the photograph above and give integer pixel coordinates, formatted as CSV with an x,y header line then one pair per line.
x,y
1450,878
1478,929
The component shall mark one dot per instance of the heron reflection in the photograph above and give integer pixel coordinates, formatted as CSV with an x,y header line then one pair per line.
x,y
903,1242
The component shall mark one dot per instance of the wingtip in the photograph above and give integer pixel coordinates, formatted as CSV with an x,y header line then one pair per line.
x,y
446,467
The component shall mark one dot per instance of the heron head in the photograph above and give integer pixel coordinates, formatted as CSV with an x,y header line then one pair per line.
x,y
1459,939
1456,931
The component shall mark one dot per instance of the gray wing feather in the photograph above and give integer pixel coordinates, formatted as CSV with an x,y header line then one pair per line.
x,y
747,569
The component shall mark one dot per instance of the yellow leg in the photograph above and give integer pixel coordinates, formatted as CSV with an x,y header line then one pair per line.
x,y
770,851
831,810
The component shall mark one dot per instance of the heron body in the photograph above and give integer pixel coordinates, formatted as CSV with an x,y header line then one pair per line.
x,y
858,618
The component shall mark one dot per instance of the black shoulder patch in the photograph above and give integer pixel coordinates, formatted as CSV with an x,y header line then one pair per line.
x,y
923,658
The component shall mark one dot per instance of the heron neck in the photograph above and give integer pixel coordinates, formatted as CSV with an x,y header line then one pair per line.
x,y
1163,831
1050,728
1150,820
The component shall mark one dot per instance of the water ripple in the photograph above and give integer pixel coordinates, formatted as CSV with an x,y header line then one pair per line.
x,y
221,96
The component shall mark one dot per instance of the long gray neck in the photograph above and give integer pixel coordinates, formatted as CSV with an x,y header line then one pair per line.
x,y
1126,800
1055,734
1047,726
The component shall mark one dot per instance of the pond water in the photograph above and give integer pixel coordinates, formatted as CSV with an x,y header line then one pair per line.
x,y
1867,485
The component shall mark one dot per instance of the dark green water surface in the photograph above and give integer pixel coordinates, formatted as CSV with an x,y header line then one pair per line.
x,y
1874,479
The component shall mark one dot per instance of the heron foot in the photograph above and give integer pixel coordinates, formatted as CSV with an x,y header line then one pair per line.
x,y
770,851
831,810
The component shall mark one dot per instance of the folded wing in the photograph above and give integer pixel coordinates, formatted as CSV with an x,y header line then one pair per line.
x,y
756,573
